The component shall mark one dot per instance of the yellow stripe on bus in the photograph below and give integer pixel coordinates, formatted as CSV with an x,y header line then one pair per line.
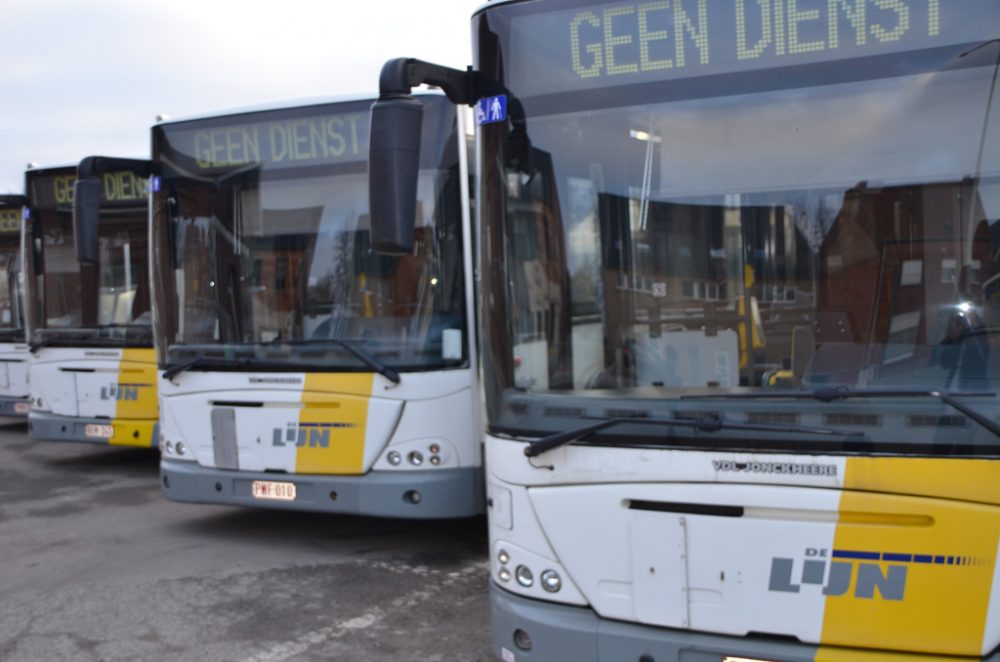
x,y
137,408
833,654
334,422
920,569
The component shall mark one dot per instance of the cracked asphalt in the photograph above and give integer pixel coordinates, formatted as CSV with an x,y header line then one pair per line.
x,y
96,565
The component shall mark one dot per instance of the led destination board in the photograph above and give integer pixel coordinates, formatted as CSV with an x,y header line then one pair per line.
x,y
120,187
10,220
313,140
631,42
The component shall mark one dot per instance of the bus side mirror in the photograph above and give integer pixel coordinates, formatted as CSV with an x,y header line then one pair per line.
x,y
393,165
86,212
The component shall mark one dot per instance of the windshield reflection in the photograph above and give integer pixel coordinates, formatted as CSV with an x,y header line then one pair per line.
x,y
784,239
269,260
106,303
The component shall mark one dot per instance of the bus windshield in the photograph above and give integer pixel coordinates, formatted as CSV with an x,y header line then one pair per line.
x,y
105,303
262,244
11,282
719,199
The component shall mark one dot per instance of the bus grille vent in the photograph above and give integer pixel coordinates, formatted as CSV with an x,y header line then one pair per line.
x,y
568,412
626,413
697,415
772,417
927,421
864,420
518,406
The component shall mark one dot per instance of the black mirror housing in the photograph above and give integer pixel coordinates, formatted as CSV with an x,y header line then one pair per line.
x,y
86,212
393,166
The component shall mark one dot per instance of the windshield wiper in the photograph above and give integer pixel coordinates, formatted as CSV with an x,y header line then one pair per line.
x,y
49,340
702,425
115,325
358,353
245,361
251,361
842,392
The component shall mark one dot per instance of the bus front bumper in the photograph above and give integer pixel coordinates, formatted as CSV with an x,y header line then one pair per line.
x,y
139,433
13,409
436,494
565,633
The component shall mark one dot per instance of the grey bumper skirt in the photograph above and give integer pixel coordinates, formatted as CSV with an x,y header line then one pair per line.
x,y
564,633
440,494
50,427
9,407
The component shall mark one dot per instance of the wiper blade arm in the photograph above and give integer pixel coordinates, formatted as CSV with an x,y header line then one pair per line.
x,y
703,425
834,393
177,369
369,361
357,352
48,340
115,325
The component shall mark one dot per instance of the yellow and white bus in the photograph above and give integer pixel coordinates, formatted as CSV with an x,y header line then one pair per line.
x,y
739,341
92,368
13,342
298,368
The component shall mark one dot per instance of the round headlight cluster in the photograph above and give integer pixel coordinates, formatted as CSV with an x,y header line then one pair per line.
x,y
550,581
417,458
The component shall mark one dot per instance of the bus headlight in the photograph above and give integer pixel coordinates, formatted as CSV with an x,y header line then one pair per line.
x,y
551,581
524,576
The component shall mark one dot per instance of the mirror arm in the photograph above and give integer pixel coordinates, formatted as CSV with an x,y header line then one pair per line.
x,y
401,75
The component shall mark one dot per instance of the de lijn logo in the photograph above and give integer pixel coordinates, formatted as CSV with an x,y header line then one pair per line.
x,y
874,574
127,392
314,435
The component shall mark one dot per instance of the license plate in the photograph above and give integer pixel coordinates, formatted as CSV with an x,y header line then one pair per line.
x,y
96,431
22,407
274,490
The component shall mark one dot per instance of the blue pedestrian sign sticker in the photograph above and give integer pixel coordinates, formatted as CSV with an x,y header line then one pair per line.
x,y
491,109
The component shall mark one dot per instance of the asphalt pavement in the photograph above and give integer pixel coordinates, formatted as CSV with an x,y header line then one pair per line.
x,y
96,565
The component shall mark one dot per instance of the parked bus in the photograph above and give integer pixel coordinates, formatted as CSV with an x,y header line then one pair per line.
x,y
92,369
299,369
13,346
738,325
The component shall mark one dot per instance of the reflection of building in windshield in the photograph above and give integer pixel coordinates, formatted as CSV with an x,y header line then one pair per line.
x,y
901,276
858,287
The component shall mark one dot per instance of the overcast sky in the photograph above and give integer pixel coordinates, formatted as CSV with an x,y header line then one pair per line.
x,y
90,77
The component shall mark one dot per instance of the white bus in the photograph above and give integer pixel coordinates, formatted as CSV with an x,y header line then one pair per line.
x,y
92,369
13,342
299,369
739,340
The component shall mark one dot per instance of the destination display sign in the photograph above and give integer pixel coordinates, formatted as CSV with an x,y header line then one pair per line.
x,y
10,220
119,188
326,138
634,42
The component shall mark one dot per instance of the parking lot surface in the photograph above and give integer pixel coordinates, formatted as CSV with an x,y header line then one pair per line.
x,y
96,565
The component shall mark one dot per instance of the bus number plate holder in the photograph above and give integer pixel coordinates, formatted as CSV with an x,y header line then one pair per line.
x,y
97,431
272,490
